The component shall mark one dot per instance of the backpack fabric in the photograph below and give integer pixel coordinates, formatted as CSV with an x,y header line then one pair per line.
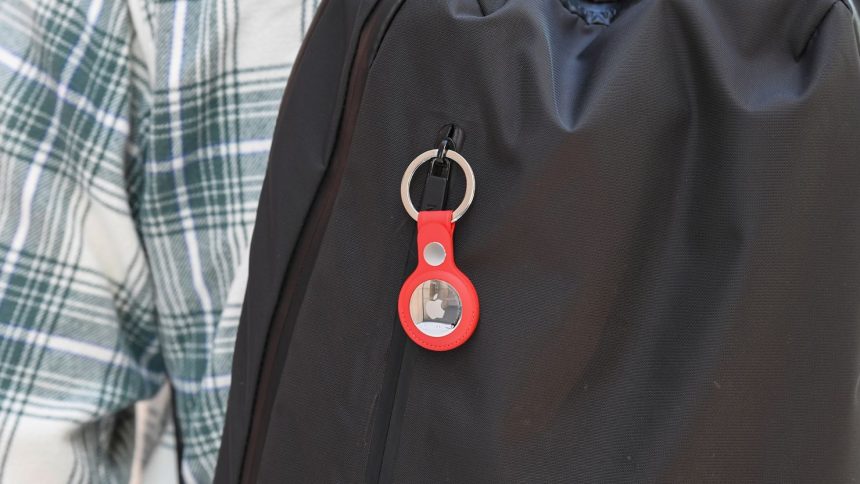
x,y
665,241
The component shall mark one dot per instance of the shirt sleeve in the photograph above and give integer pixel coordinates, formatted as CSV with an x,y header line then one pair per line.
x,y
134,137
78,326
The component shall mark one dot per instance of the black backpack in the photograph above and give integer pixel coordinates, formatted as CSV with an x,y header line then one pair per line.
x,y
664,240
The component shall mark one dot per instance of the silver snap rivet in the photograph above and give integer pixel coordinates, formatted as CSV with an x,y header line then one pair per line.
x,y
434,253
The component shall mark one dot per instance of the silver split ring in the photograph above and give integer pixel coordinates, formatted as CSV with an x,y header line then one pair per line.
x,y
425,157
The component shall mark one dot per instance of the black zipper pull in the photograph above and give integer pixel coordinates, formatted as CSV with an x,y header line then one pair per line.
x,y
438,181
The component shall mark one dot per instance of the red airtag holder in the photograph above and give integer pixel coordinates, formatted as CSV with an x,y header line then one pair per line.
x,y
437,227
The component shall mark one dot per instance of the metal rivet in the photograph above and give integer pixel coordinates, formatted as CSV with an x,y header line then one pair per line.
x,y
434,253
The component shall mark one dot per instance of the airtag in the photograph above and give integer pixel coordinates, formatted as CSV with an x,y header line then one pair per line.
x,y
435,308
438,305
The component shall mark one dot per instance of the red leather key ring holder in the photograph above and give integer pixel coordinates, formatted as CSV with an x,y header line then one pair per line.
x,y
438,305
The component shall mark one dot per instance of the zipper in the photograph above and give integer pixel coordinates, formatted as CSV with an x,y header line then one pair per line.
x,y
309,241
401,356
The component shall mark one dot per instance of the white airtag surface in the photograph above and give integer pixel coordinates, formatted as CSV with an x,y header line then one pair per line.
x,y
435,307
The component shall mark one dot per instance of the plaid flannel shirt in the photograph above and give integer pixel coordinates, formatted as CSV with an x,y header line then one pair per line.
x,y
134,136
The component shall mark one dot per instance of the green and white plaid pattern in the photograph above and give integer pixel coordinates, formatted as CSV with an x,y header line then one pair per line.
x,y
134,136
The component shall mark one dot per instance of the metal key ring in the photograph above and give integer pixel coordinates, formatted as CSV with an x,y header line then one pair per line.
x,y
425,157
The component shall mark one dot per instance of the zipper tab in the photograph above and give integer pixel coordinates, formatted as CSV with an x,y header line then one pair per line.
x,y
438,181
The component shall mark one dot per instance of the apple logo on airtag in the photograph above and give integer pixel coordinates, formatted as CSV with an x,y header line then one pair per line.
x,y
435,308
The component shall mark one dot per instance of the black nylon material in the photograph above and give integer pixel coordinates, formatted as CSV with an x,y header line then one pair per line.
x,y
665,241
